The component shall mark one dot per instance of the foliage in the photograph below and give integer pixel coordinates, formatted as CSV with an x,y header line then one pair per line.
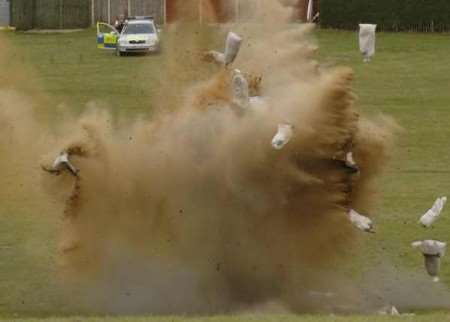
x,y
395,15
53,14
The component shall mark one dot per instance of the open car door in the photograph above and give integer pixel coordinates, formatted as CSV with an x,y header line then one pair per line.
x,y
107,36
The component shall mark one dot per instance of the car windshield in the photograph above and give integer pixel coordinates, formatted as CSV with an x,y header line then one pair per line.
x,y
139,28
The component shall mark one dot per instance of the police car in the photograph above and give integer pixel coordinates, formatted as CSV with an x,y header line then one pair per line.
x,y
138,35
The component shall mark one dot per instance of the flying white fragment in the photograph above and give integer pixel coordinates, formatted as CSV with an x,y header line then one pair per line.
x,y
310,11
258,103
350,162
239,85
283,136
394,311
232,46
388,310
432,251
433,213
240,93
62,163
215,56
367,41
361,222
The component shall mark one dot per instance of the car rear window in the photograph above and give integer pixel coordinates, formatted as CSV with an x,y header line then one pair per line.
x,y
139,28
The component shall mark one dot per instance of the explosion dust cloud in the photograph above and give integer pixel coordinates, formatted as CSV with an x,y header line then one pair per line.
x,y
193,211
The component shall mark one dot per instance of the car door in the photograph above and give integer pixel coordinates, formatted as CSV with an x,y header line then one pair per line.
x,y
107,36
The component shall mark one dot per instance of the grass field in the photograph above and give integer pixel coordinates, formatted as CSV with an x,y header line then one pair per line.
x,y
251,318
408,79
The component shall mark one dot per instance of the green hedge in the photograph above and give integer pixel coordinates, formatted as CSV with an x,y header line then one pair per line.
x,y
394,15
50,14
22,14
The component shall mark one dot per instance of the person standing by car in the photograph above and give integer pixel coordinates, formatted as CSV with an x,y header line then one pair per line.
x,y
119,23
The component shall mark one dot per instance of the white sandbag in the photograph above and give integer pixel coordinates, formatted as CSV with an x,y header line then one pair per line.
x,y
388,310
239,85
430,247
283,136
361,222
394,311
62,163
350,162
215,56
433,266
367,40
432,251
433,213
310,11
232,46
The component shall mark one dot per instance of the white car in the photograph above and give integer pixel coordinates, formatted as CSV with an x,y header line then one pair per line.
x,y
138,35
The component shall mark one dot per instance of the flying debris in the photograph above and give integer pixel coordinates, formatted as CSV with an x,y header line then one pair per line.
x,y
62,163
394,311
433,213
284,134
350,163
389,310
241,93
232,46
240,89
258,103
367,41
432,251
361,222
214,56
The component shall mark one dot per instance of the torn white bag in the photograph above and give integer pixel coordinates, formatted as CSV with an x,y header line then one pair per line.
x,y
233,44
367,40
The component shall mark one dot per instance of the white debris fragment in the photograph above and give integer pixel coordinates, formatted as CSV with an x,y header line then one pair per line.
x,y
310,11
430,246
239,85
394,311
432,251
216,56
62,163
433,213
361,222
367,40
232,46
258,104
240,93
388,310
349,159
283,136
350,162
257,100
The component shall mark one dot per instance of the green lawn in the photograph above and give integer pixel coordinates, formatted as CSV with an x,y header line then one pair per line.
x,y
250,318
70,69
408,79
